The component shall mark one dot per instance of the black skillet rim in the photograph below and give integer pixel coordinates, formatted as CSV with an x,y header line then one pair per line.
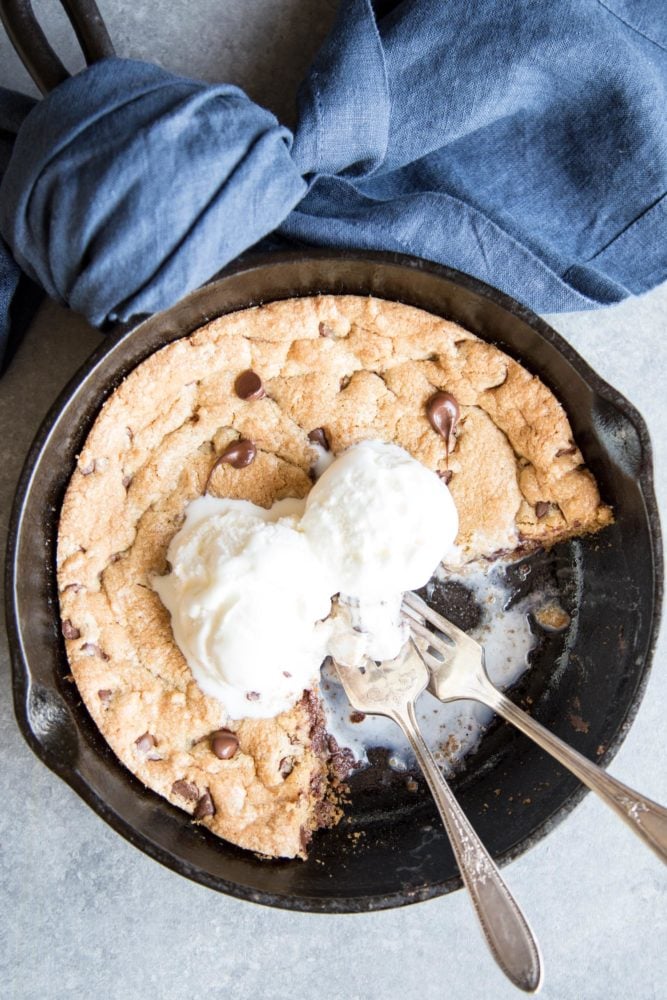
x,y
21,673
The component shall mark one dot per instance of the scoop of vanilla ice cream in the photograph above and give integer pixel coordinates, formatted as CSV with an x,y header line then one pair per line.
x,y
250,588
245,594
380,521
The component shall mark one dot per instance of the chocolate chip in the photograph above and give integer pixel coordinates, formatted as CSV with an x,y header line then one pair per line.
x,y
542,508
186,790
446,476
127,481
248,385
204,806
319,436
326,330
224,743
286,766
357,716
130,433
105,696
70,631
443,412
145,743
344,382
252,695
91,649
239,453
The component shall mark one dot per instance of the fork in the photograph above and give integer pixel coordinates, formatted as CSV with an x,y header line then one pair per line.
x,y
391,688
457,669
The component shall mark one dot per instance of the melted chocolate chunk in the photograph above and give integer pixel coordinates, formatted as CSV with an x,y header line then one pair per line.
x,y
145,743
319,436
286,766
186,790
204,806
446,476
342,764
238,454
105,696
357,716
248,385
318,738
317,783
443,412
70,631
326,330
224,743
542,508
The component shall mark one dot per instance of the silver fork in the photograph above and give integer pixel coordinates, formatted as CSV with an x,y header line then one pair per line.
x,y
391,689
456,665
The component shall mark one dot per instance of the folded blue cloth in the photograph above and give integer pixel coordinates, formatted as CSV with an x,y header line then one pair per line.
x,y
521,142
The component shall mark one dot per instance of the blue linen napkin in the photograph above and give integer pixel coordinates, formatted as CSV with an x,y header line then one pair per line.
x,y
521,142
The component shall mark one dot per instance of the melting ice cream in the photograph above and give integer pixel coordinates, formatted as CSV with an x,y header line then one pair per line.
x,y
258,598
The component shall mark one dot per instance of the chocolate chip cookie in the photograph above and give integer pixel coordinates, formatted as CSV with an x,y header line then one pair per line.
x,y
244,408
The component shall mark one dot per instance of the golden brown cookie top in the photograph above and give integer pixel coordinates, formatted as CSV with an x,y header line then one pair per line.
x,y
357,368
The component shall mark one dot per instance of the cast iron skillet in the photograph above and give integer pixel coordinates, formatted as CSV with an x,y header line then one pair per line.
x,y
585,685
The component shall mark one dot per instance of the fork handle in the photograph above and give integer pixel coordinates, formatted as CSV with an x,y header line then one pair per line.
x,y
504,926
645,817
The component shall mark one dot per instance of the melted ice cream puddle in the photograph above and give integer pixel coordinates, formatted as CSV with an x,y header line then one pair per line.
x,y
454,729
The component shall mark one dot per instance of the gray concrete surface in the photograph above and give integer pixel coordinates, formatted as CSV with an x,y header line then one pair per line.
x,y
82,913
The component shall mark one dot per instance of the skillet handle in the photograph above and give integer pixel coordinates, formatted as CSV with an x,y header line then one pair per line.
x,y
33,49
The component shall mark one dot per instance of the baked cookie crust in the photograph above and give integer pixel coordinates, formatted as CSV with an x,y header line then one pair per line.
x,y
360,368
